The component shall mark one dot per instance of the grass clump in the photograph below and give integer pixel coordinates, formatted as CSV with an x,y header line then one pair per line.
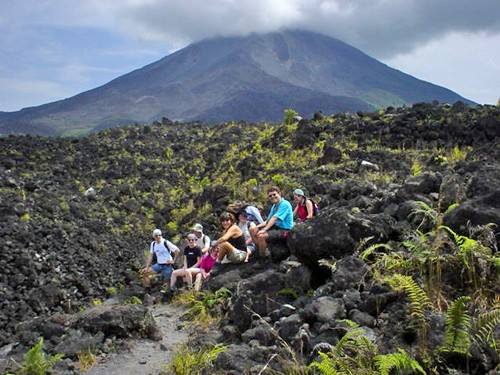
x,y
86,360
36,362
203,307
194,362
134,300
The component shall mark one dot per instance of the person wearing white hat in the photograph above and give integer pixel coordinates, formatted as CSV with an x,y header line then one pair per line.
x,y
305,207
203,241
164,251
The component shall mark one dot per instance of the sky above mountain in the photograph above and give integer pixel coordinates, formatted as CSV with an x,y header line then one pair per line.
x,y
52,49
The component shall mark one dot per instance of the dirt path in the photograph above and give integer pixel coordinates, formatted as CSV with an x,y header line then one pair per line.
x,y
145,356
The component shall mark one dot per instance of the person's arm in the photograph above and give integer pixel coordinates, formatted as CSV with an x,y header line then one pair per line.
x,y
261,225
185,262
206,244
310,209
172,247
149,259
233,231
269,224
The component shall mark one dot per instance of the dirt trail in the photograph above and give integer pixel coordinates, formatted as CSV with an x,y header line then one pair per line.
x,y
145,356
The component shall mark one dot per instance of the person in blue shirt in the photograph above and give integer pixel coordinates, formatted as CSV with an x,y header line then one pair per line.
x,y
278,224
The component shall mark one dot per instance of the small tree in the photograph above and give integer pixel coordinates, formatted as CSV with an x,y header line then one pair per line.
x,y
289,116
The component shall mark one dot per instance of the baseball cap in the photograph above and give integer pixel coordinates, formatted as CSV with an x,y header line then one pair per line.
x,y
299,192
197,228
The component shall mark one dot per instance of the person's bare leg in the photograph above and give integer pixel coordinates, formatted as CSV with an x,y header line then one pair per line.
x,y
175,274
253,233
146,278
261,243
189,275
225,249
197,282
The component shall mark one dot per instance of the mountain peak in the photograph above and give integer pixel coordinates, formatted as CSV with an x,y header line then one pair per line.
x,y
252,78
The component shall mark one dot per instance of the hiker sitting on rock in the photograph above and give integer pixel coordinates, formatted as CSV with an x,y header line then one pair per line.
x,y
253,213
201,270
163,250
202,240
245,226
278,224
192,256
305,207
232,242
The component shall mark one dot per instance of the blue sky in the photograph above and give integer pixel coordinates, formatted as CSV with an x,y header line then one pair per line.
x,y
53,49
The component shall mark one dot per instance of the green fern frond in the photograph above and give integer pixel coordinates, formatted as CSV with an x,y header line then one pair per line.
x,y
426,211
353,354
371,249
398,363
325,366
419,301
484,328
36,362
451,207
456,336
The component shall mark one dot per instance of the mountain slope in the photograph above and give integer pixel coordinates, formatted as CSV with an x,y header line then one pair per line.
x,y
249,78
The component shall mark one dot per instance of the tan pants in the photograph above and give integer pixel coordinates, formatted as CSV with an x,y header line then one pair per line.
x,y
233,255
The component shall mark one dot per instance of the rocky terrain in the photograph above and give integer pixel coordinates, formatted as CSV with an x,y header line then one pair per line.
x,y
407,196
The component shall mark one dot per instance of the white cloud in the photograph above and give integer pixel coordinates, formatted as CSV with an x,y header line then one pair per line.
x,y
422,37
466,63
380,27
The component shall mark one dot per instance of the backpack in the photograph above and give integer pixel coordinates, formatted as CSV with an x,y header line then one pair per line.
x,y
315,207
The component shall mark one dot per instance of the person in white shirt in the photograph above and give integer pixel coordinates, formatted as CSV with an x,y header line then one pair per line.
x,y
164,251
203,241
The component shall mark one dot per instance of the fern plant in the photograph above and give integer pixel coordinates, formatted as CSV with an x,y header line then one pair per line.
x,y
353,354
194,362
426,212
36,362
457,326
201,305
470,254
419,301
484,326
397,363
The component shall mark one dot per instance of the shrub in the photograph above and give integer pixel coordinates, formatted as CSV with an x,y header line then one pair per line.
x,y
36,362
86,360
289,115
194,362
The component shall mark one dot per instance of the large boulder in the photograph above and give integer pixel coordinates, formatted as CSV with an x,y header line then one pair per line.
x,y
253,296
478,211
335,234
349,273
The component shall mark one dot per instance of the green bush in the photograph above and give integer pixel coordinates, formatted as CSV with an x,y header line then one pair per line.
x,y
194,362
36,362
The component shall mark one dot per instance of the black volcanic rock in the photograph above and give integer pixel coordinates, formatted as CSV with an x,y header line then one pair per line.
x,y
252,78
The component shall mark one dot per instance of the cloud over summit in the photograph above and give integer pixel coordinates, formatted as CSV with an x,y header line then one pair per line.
x,y
380,27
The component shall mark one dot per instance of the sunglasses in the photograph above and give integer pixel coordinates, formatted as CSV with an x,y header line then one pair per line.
x,y
191,240
273,195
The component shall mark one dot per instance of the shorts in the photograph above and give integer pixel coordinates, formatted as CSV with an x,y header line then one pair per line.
x,y
237,256
165,270
276,234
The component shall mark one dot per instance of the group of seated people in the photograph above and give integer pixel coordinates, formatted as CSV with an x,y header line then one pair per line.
x,y
243,233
